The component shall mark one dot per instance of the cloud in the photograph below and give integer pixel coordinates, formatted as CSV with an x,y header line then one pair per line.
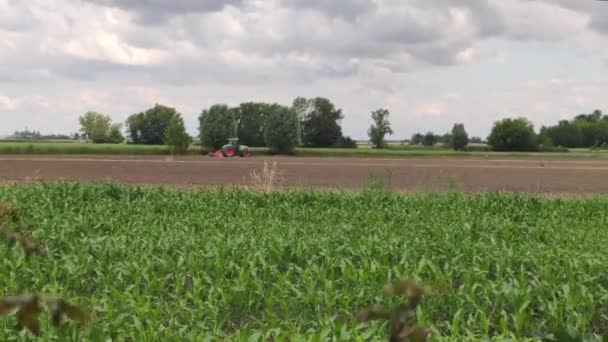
x,y
123,54
156,12
348,9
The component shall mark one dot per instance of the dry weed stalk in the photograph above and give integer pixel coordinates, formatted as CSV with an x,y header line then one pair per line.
x,y
10,215
267,179
29,307
402,323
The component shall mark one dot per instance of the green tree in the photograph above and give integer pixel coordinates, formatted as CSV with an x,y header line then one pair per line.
x,y
380,128
135,126
150,126
217,124
176,136
321,123
417,139
281,129
92,121
98,127
459,138
302,106
584,130
251,117
429,139
116,135
513,135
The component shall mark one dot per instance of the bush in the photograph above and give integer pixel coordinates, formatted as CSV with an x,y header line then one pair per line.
x,y
281,130
513,135
345,142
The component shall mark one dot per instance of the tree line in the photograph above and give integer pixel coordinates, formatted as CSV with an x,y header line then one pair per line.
x,y
316,122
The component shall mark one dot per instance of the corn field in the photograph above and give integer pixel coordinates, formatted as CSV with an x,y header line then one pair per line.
x,y
158,264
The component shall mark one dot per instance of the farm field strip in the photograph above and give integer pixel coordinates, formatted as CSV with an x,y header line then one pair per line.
x,y
485,164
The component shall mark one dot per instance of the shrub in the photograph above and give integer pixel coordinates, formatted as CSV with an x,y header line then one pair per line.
x,y
345,142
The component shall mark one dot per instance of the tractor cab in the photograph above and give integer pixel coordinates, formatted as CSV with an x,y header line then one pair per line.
x,y
234,142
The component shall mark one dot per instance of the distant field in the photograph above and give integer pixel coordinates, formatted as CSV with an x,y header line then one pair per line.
x,y
476,150
156,264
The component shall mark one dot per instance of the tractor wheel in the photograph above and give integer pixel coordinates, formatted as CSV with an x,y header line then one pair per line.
x,y
245,153
228,152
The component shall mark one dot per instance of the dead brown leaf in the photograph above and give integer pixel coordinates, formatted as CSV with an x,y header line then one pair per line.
x,y
28,313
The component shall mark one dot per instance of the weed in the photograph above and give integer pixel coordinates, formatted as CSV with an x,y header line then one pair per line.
x,y
267,179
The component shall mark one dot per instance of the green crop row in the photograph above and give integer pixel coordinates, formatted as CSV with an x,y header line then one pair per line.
x,y
158,264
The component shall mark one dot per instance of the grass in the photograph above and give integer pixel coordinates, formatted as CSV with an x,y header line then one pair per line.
x,y
157,264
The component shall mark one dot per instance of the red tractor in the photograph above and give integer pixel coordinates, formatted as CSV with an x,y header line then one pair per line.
x,y
232,149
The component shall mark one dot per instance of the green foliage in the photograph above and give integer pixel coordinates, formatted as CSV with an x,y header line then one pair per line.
x,y
416,139
459,139
585,130
158,264
345,142
251,117
217,124
116,134
320,123
513,135
430,139
281,130
380,128
149,127
176,136
99,128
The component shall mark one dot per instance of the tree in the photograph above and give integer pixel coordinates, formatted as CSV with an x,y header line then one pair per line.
x,y
251,117
513,135
320,126
98,127
417,139
585,130
281,129
301,106
380,128
135,127
90,121
459,138
150,126
429,139
217,125
116,134
176,136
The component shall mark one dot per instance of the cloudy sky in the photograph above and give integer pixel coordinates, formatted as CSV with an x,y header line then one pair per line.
x,y
431,62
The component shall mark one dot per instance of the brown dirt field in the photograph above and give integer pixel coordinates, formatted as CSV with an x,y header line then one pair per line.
x,y
411,174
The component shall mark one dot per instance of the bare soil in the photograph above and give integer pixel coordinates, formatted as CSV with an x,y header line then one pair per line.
x,y
412,174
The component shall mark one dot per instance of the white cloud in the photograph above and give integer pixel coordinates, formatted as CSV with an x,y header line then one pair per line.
x,y
417,57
